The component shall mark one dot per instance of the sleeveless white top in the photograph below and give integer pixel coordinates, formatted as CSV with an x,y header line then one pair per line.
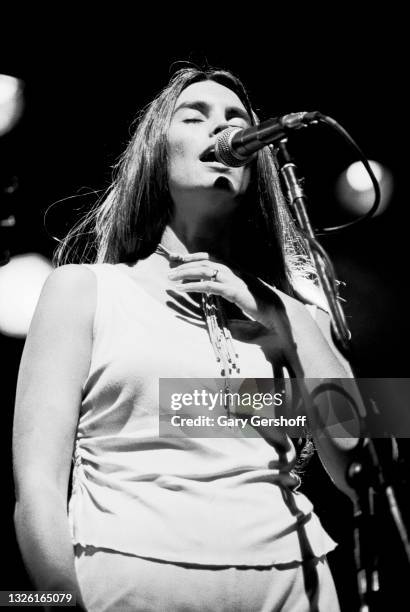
x,y
208,501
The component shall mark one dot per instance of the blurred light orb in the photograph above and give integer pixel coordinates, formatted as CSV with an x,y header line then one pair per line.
x,y
11,102
359,179
21,281
354,188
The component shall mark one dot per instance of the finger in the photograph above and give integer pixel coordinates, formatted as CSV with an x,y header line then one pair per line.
x,y
194,272
196,257
191,265
206,286
206,263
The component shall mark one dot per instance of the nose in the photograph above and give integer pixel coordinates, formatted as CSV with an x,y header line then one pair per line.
x,y
218,126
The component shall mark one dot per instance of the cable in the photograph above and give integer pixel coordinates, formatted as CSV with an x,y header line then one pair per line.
x,y
320,118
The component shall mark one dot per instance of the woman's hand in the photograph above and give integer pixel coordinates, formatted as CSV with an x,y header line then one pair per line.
x,y
200,274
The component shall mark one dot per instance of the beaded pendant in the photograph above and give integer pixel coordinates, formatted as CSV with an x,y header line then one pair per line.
x,y
218,331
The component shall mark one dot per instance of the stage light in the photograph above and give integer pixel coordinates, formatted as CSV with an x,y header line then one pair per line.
x,y
21,281
11,102
359,179
354,188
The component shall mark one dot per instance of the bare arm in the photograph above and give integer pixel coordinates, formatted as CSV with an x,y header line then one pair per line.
x,y
54,365
311,355
320,358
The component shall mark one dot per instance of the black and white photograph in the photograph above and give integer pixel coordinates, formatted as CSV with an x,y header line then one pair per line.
x,y
204,322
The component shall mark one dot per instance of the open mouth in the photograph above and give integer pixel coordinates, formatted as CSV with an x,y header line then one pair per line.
x,y
208,156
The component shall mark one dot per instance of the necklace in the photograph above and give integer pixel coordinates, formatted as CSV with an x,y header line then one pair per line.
x,y
218,332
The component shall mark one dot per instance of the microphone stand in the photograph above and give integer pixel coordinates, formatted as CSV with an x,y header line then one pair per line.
x,y
298,204
365,473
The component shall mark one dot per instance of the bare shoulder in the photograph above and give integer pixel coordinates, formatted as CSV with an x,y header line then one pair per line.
x,y
69,294
293,307
70,279
70,276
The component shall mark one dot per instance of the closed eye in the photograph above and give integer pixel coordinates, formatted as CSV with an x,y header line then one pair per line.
x,y
242,127
238,122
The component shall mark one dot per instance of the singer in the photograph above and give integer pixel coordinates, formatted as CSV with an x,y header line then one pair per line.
x,y
190,269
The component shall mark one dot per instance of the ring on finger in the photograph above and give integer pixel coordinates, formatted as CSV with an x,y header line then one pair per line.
x,y
214,274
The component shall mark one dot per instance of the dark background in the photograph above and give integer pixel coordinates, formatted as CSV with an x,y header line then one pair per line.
x,y
84,82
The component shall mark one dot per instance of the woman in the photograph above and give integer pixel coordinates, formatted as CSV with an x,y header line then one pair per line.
x,y
187,253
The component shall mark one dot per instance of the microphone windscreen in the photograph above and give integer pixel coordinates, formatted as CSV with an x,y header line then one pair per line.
x,y
223,149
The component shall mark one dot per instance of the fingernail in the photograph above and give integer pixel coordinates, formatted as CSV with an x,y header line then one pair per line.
x,y
172,275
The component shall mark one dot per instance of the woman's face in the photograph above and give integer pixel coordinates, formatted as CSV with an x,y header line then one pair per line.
x,y
203,110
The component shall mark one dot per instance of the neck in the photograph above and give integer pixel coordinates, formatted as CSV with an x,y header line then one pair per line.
x,y
213,237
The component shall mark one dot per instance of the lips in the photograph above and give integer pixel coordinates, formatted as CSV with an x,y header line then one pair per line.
x,y
208,155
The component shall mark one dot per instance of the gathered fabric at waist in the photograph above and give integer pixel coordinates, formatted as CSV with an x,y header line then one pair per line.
x,y
243,515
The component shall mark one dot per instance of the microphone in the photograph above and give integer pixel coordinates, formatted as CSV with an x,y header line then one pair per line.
x,y
236,147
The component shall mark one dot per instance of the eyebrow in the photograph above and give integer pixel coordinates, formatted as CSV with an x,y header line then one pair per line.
x,y
204,107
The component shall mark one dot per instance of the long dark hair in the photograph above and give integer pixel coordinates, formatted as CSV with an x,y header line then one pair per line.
x,y
127,224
